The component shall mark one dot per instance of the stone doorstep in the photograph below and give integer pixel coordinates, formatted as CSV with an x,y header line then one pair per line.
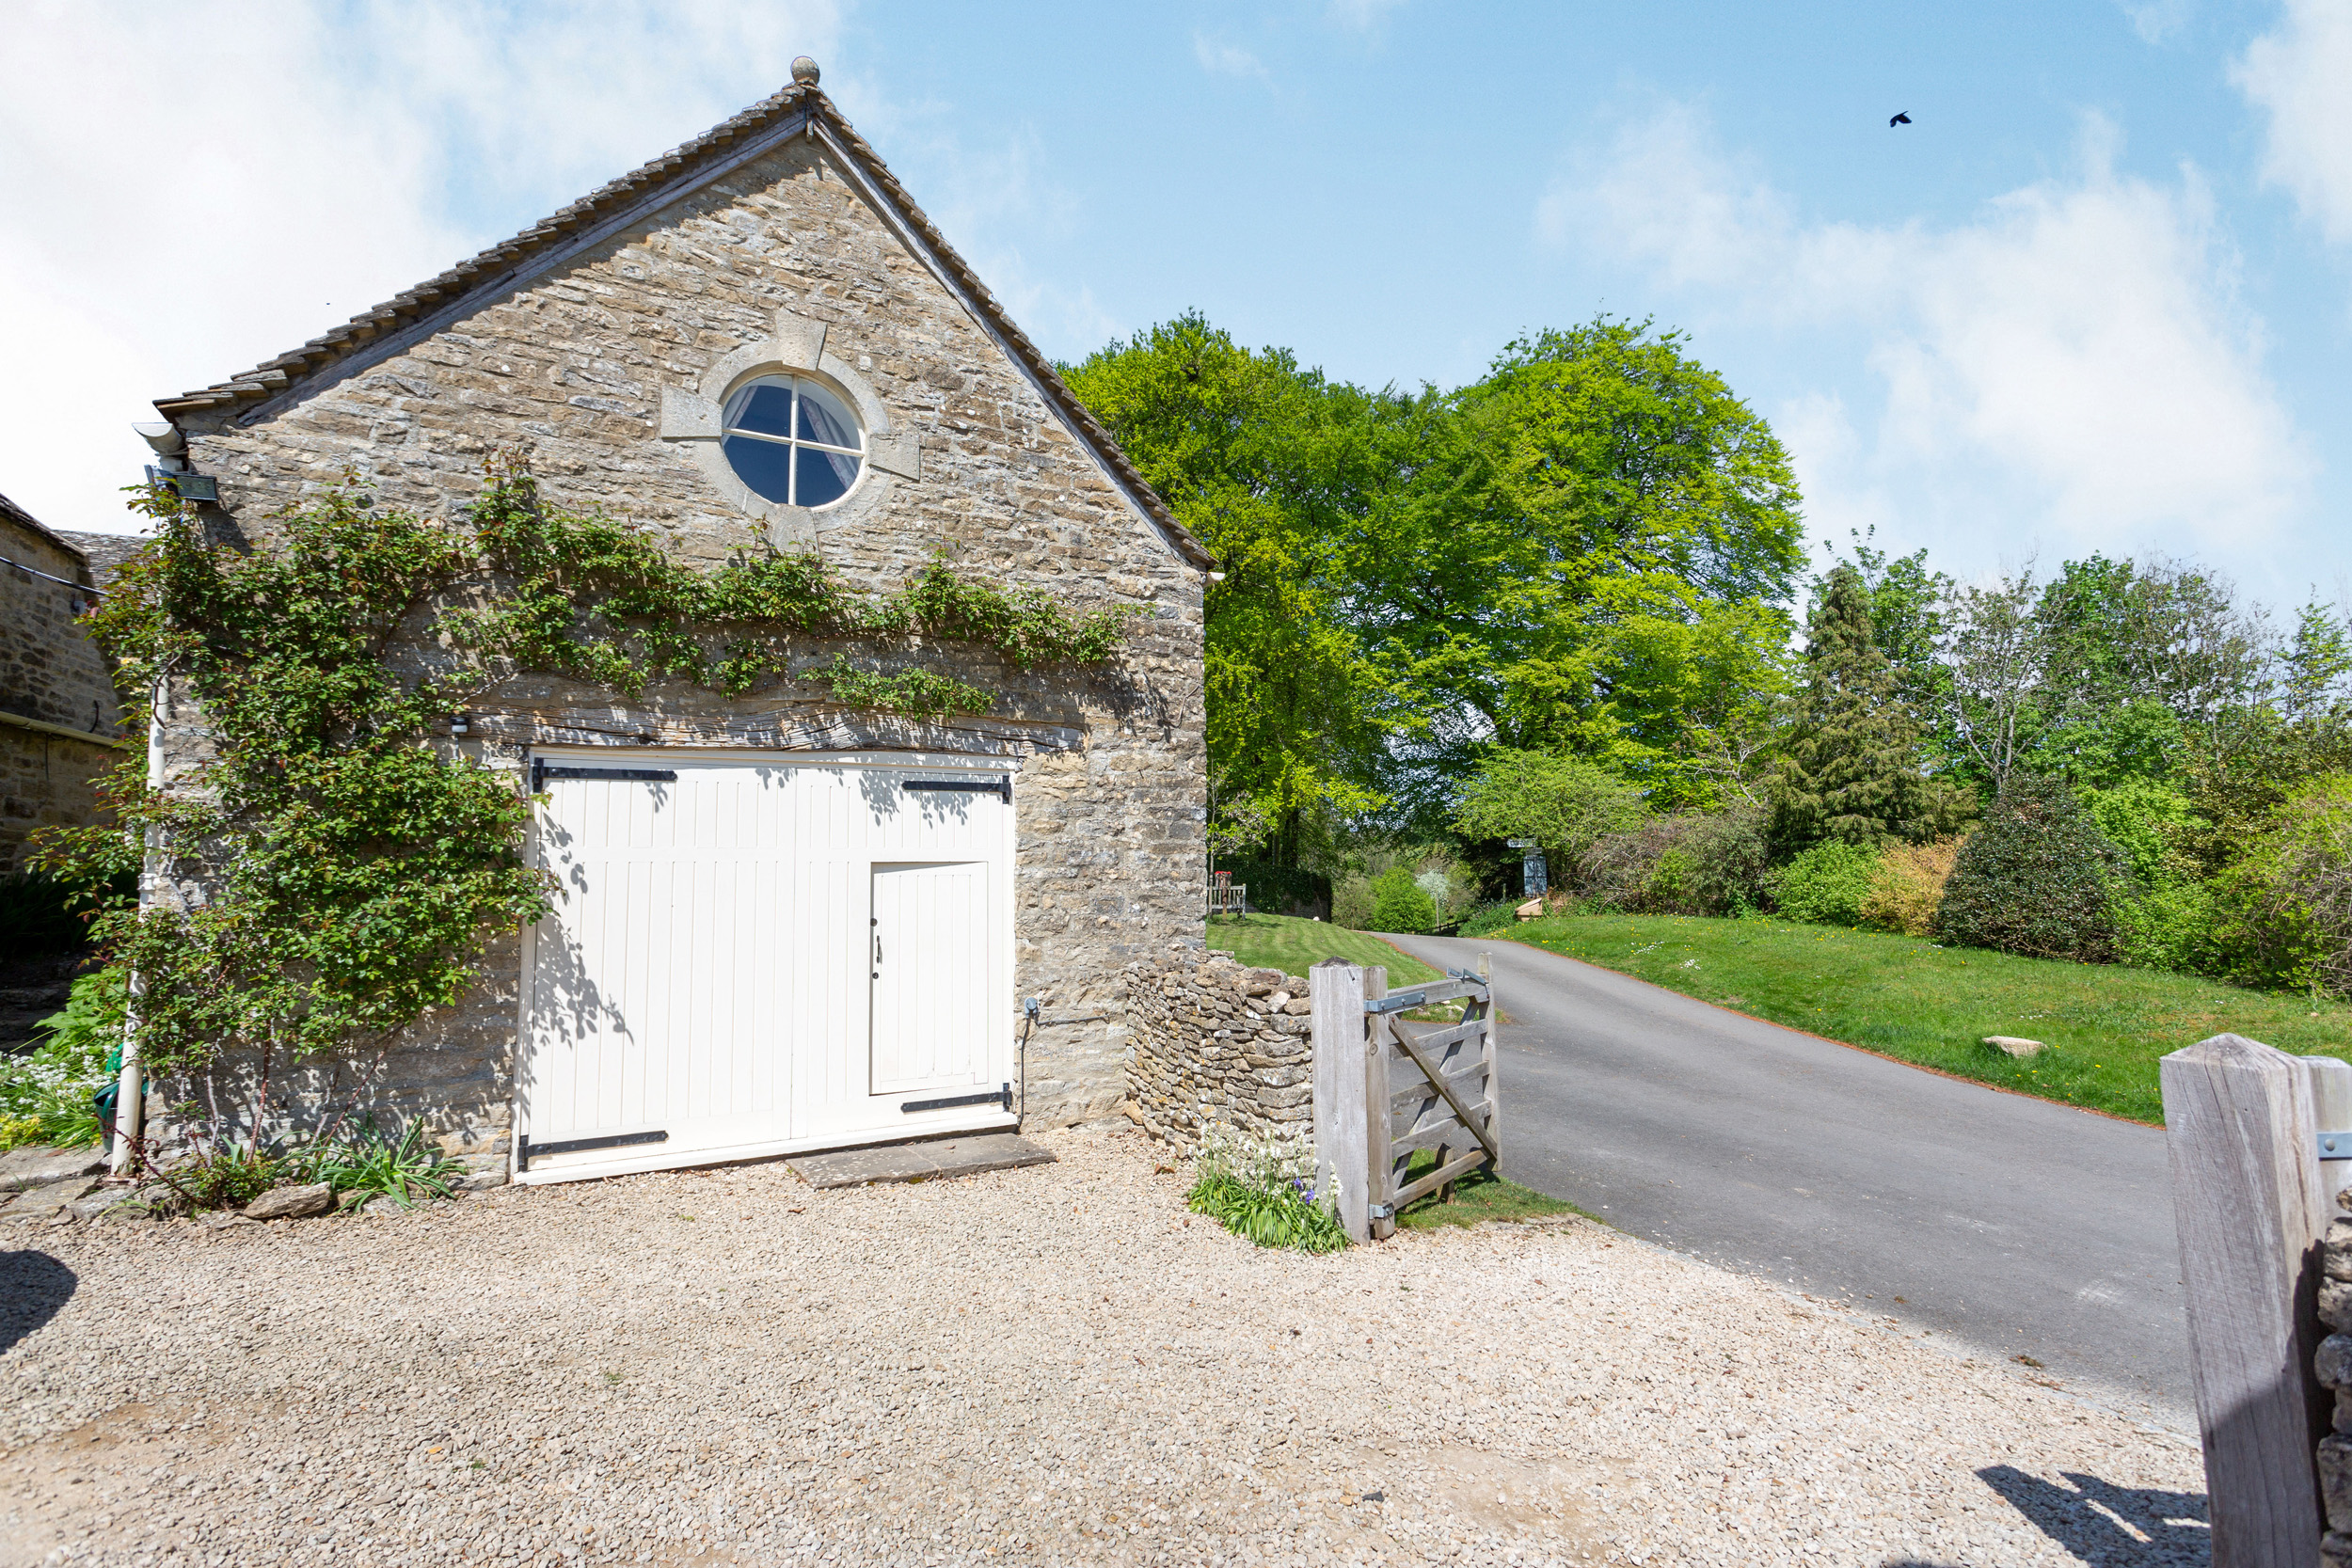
x,y
35,1166
966,1155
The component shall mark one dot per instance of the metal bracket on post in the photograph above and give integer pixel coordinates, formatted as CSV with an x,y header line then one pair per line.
x,y
2335,1145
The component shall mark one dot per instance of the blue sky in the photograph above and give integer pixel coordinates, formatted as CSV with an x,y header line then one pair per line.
x,y
2096,297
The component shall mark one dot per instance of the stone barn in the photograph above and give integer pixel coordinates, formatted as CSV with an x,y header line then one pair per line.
x,y
784,923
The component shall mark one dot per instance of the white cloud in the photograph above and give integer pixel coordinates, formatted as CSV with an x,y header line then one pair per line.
x,y
1220,58
2157,21
2297,73
2072,359
195,185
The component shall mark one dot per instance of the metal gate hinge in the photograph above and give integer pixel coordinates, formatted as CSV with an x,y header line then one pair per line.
x,y
2335,1145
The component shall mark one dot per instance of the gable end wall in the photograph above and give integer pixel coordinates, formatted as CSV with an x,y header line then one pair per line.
x,y
569,368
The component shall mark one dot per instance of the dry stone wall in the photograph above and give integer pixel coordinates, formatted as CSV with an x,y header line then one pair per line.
x,y
569,368
2335,1370
1218,1046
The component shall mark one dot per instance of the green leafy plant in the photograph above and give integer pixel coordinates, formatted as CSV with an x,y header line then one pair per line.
x,y
2285,904
1827,884
46,1094
1690,863
2038,879
1263,1193
921,693
1564,803
362,1163
1400,903
228,1176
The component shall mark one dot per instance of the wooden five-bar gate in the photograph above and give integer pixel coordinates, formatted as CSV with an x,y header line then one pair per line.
x,y
1385,1088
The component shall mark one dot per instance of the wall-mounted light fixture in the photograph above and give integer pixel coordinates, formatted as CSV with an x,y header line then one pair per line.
x,y
188,487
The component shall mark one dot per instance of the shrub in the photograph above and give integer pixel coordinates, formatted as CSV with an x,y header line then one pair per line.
x,y
1490,920
1907,886
2175,926
2038,879
2147,821
1399,903
2285,904
1262,1191
2170,921
1352,903
47,1095
1825,884
1691,864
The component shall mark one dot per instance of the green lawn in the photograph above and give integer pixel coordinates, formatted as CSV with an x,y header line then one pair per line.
x,y
1290,944
1908,998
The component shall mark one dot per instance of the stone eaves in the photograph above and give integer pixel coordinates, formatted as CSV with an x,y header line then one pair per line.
x,y
669,177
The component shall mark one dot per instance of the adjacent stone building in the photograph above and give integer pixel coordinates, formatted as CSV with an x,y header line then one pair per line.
x,y
60,720
759,341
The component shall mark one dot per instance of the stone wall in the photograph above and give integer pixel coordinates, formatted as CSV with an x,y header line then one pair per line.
x,y
462,1088
569,366
54,688
2334,1368
1218,1045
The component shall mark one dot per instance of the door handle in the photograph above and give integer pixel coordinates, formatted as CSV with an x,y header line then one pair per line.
x,y
876,956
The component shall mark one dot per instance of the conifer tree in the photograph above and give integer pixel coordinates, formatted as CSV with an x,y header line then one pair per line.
x,y
1850,771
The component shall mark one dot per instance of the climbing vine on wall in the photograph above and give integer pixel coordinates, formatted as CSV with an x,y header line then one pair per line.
x,y
349,870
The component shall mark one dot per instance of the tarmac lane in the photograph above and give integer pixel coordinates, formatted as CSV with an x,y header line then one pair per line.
x,y
1995,1221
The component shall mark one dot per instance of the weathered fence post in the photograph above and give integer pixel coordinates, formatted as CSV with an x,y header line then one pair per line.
x,y
1335,988
2251,1206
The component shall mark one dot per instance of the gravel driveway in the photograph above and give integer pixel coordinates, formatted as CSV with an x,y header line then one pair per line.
x,y
1047,1365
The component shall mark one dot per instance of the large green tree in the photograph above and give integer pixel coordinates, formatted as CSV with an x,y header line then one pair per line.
x,y
1849,768
1276,469
1590,555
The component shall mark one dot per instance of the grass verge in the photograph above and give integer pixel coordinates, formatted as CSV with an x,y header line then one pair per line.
x,y
1290,944
1479,1197
1904,996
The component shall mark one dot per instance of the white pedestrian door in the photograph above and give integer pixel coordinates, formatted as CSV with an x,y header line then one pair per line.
x,y
931,977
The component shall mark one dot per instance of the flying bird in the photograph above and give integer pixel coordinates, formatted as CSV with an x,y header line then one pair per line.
x,y
1899,120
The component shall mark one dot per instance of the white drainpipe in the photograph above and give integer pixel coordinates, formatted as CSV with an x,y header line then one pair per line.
x,y
130,1094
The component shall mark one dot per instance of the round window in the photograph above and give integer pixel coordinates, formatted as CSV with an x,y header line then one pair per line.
x,y
792,440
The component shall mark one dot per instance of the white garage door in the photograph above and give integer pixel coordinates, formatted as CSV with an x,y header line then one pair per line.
x,y
753,957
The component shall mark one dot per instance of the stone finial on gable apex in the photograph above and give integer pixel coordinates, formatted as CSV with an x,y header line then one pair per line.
x,y
804,71
799,341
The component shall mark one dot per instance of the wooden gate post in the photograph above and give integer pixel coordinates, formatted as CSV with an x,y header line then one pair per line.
x,y
1335,988
2252,1207
2331,1112
1379,1181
